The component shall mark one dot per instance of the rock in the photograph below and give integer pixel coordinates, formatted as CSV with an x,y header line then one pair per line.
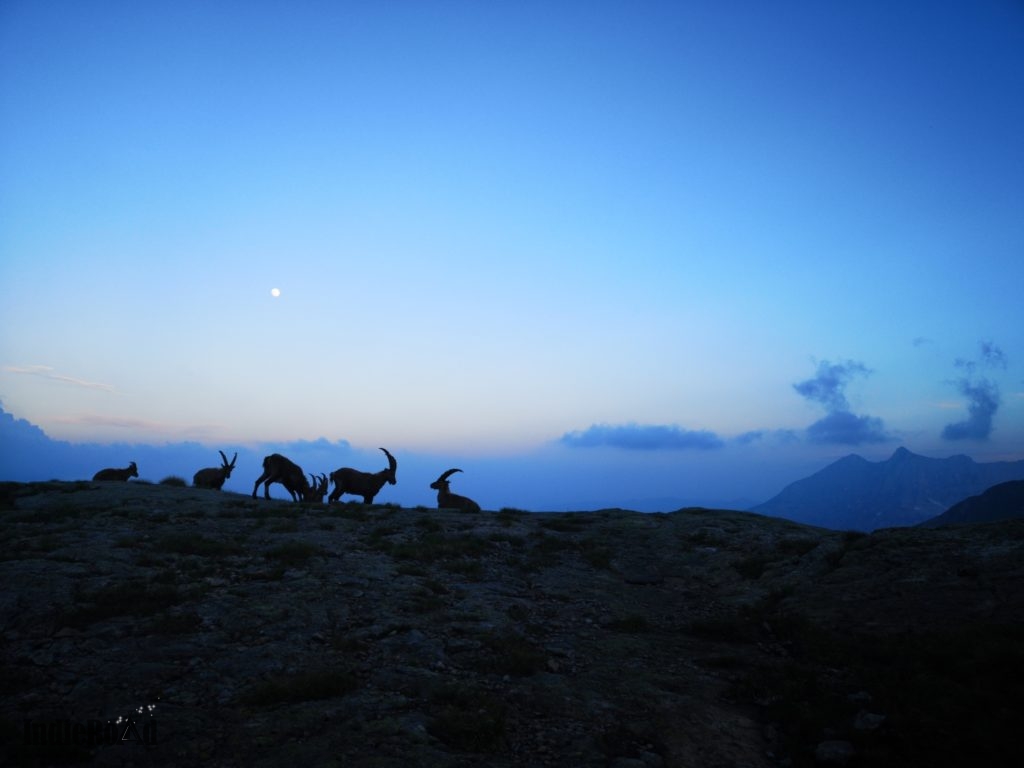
x,y
868,721
652,760
644,579
628,762
834,752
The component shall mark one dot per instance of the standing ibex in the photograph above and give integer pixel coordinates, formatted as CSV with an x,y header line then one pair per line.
x,y
365,484
448,500
120,475
214,477
278,469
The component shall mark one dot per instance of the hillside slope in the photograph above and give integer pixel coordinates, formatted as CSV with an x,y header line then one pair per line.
x,y
1000,502
243,632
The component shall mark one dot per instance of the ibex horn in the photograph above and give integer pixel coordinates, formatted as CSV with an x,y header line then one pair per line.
x,y
448,474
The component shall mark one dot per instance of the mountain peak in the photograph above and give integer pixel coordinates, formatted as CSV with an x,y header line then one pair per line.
x,y
901,454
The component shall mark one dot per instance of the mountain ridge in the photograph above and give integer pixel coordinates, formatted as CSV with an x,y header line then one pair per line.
x,y
906,489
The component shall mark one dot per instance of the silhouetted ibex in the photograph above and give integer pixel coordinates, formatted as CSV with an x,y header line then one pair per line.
x,y
214,477
317,488
278,469
119,475
448,500
365,484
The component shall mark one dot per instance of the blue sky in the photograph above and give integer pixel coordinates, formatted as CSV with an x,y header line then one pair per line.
x,y
728,242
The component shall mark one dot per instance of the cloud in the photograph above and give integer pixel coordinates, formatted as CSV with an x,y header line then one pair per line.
x,y
638,437
134,426
982,403
992,356
845,428
46,372
840,425
118,422
983,396
785,436
753,436
989,356
828,385
920,341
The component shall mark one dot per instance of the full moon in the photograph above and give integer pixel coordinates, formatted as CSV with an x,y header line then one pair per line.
x,y
275,292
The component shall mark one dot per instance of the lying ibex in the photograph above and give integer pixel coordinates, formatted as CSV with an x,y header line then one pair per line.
x,y
448,500
214,477
278,469
120,475
365,484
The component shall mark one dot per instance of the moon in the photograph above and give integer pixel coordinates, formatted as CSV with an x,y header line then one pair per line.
x,y
275,292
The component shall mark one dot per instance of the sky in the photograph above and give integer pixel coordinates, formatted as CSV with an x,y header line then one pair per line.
x,y
585,251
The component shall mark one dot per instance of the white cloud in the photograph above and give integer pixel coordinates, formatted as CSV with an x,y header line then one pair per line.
x,y
47,372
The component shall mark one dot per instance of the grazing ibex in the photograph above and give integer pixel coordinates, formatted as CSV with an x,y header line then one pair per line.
x,y
317,488
365,484
214,477
120,475
278,469
448,500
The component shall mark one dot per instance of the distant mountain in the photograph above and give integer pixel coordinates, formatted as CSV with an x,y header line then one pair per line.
x,y
856,494
1000,502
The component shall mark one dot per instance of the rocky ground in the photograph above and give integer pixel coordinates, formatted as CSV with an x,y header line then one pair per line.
x,y
230,631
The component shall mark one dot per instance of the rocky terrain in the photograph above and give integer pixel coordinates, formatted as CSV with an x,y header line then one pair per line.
x,y
162,625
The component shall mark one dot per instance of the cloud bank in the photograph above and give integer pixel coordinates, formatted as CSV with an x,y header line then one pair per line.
x,y
639,437
840,425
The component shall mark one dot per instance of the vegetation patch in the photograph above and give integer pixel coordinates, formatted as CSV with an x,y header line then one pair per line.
x,y
921,681
348,510
509,653
195,544
121,599
284,526
55,513
378,535
567,524
428,524
308,685
293,553
632,624
467,718
596,555
796,546
34,547
506,516
271,509
9,492
410,569
514,541
432,546
424,601
472,570
751,567
183,623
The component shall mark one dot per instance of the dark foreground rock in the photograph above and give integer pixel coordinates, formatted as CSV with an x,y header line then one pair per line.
x,y
225,631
